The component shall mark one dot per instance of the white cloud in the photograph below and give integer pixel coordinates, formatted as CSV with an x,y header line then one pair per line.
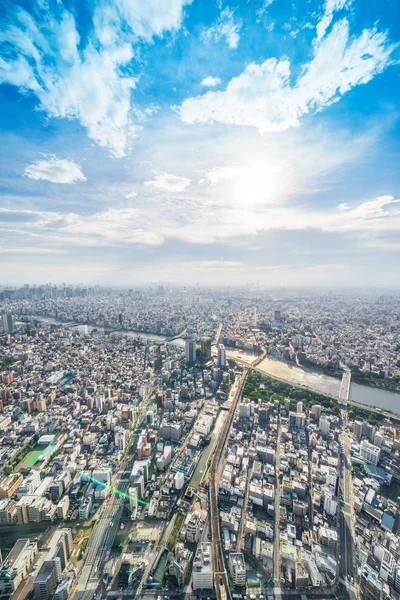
x,y
30,250
85,81
262,96
211,265
218,174
153,17
225,27
210,81
226,222
331,6
343,206
131,195
112,227
232,221
56,170
166,182
264,7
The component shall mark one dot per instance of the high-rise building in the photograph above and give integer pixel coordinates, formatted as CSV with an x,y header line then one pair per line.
x,y
8,325
369,452
120,438
221,356
190,350
316,411
205,347
324,426
277,315
358,430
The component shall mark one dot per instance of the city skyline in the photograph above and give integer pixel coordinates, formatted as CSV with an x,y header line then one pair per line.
x,y
200,142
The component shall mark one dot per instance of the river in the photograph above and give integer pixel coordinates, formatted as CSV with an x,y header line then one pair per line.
x,y
316,382
151,337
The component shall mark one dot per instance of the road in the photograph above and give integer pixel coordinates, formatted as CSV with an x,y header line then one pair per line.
x,y
277,578
106,527
240,537
345,387
346,512
221,583
218,333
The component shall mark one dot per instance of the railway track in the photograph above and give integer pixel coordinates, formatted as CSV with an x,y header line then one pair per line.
x,y
221,583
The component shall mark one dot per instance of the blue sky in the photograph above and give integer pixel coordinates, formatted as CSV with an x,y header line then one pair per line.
x,y
200,141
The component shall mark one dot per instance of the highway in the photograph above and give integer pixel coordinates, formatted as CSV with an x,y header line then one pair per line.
x,y
277,566
221,583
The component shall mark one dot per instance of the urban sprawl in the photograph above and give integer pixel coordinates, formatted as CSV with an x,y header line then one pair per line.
x,y
146,451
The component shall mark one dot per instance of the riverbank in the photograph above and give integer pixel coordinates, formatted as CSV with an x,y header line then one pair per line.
x,y
360,395
306,378
375,381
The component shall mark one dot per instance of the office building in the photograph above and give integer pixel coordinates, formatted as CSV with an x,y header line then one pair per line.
x,y
358,430
237,569
205,347
190,351
221,356
297,419
316,411
7,321
120,438
180,566
202,571
324,426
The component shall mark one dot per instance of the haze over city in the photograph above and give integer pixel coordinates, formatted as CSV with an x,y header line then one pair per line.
x,y
211,142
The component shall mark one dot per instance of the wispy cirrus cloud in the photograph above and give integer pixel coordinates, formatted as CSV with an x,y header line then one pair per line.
x,y
56,170
43,54
262,96
224,28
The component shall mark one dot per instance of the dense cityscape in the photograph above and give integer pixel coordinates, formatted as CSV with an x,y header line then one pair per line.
x,y
149,451
199,300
